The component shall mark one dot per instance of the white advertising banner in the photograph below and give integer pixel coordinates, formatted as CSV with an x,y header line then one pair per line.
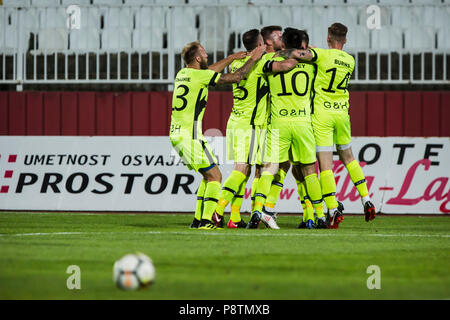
x,y
404,175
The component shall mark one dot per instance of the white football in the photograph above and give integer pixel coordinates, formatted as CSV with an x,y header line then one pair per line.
x,y
133,271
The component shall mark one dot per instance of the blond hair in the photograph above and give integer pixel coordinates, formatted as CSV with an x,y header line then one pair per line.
x,y
190,51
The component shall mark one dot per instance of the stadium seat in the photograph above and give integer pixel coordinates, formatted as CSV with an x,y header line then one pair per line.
x,y
420,38
7,32
53,40
77,2
30,18
432,16
402,17
90,17
280,16
180,39
150,16
16,3
242,18
387,38
313,20
107,2
232,2
212,28
52,17
147,39
297,2
301,18
9,41
316,20
360,2
203,2
263,2
343,14
393,2
116,39
183,18
358,39
426,2
118,17
139,2
328,2
45,3
169,2
84,40
443,39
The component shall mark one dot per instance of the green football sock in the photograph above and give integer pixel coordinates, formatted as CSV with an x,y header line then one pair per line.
x,y
275,189
358,179
300,195
236,203
314,193
262,190
254,184
211,198
308,210
328,189
199,205
229,190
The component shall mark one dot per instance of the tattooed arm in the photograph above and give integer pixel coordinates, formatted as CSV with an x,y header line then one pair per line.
x,y
222,64
304,55
240,74
286,53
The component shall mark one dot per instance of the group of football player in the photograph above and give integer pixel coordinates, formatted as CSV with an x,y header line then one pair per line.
x,y
290,109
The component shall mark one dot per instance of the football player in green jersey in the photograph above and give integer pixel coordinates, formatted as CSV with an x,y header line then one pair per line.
x,y
273,39
289,135
272,36
188,106
244,127
331,121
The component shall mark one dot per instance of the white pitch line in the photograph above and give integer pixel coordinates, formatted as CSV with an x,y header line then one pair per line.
x,y
42,234
247,234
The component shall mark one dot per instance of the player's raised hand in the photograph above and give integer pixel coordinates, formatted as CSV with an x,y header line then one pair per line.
x,y
257,53
239,55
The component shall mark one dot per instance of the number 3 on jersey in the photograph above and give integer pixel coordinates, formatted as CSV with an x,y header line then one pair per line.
x,y
181,96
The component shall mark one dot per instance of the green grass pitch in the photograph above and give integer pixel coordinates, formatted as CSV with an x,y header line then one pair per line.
x,y
413,254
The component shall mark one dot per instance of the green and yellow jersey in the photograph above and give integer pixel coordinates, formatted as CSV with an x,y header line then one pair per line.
x,y
334,69
290,92
250,95
189,99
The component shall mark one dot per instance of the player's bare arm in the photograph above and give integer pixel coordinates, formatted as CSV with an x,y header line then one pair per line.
x,y
291,55
282,66
240,74
303,55
219,66
287,53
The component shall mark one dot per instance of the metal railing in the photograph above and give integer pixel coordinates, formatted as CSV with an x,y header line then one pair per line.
x,y
142,44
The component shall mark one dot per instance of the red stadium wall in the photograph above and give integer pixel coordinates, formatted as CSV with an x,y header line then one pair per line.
x,y
373,113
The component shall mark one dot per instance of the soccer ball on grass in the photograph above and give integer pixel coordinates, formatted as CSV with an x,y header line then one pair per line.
x,y
133,271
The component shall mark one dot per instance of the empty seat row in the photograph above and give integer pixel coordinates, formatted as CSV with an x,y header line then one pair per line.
x,y
236,17
214,25
89,39
89,17
209,2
